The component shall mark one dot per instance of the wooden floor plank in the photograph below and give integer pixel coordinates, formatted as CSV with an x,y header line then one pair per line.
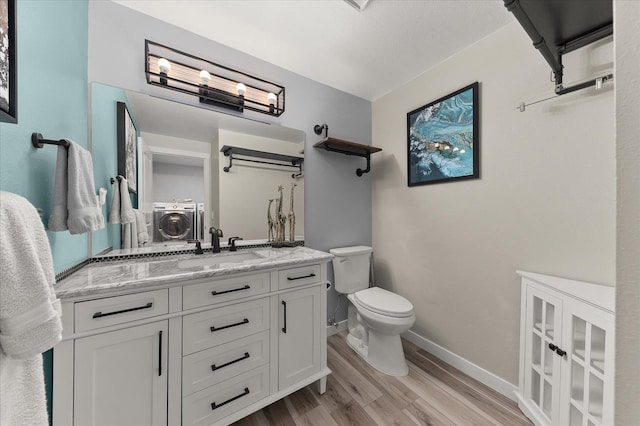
x,y
384,411
361,389
301,402
352,414
433,394
478,398
335,397
316,417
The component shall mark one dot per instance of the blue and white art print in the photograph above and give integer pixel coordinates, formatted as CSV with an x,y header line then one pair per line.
x,y
442,139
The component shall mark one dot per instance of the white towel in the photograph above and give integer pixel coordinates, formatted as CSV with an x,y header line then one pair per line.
x,y
75,204
130,235
143,233
121,210
29,312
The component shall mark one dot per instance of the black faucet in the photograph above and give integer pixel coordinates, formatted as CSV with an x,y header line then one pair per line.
x,y
198,246
216,233
232,243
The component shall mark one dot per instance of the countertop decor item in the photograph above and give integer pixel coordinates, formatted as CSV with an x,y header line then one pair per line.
x,y
443,139
270,223
212,83
292,216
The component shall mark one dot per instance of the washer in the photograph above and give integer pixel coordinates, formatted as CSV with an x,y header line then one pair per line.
x,y
173,221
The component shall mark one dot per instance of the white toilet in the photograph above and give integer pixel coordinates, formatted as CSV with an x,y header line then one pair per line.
x,y
377,317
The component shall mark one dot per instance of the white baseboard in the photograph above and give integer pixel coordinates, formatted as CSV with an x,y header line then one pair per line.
x,y
331,330
480,374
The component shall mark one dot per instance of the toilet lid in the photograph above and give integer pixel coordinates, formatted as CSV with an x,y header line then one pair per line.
x,y
384,302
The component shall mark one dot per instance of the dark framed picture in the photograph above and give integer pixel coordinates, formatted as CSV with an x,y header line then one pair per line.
x,y
442,139
8,62
127,147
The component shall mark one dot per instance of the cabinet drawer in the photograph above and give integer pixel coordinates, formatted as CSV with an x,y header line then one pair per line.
x,y
206,368
221,325
217,402
298,276
120,309
210,291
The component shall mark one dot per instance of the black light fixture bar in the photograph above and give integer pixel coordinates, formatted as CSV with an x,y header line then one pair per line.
x,y
212,83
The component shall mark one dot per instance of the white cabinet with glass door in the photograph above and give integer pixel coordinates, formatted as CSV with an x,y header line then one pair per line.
x,y
566,351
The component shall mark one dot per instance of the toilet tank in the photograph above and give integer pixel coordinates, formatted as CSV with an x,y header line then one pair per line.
x,y
351,268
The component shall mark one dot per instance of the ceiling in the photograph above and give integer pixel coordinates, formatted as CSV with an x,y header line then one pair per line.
x,y
367,53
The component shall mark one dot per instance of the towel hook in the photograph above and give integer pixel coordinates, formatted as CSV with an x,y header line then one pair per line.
x,y
38,141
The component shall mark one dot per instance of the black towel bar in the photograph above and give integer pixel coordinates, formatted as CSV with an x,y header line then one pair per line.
x,y
38,141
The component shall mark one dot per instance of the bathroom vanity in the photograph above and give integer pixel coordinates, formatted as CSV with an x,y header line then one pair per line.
x,y
191,340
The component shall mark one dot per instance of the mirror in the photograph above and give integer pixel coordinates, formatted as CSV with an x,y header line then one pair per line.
x,y
181,168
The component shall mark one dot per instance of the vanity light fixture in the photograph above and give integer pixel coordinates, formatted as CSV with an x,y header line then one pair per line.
x,y
212,83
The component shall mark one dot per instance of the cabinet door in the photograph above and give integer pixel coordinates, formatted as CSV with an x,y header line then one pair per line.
x,y
542,363
587,394
299,335
120,377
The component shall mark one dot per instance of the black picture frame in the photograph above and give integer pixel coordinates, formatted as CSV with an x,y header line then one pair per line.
x,y
127,147
8,62
443,143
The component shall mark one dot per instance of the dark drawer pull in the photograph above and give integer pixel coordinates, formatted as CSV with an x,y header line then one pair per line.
x,y
100,314
244,321
214,405
311,275
216,293
284,329
217,367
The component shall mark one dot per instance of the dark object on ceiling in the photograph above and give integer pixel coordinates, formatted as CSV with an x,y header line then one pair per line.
x,y
557,27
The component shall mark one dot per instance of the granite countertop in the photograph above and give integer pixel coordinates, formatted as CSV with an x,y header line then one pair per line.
x,y
145,273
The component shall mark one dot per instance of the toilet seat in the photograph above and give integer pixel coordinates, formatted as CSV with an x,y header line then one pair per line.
x,y
384,302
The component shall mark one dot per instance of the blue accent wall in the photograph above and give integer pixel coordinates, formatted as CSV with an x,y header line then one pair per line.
x,y
104,144
52,100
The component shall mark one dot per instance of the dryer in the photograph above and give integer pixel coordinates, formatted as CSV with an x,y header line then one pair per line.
x,y
173,221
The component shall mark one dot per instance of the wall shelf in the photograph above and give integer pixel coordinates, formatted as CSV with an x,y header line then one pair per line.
x,y
282,160
346,147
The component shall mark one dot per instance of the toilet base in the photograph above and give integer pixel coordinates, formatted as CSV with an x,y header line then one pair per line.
x,y
384,353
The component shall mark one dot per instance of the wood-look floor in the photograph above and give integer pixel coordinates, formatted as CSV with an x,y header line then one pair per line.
x,y
434,393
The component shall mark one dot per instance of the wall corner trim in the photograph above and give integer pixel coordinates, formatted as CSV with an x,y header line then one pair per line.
x,y
480,374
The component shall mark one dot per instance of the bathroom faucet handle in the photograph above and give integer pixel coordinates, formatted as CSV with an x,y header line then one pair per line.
x,y
213,230
198,246
232,243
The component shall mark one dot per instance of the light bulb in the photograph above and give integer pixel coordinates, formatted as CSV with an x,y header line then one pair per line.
x,y
164,65
205,77
271,97
241,89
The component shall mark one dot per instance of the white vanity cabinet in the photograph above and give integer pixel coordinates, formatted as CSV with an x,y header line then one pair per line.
x,y
197,352
566,351
120,377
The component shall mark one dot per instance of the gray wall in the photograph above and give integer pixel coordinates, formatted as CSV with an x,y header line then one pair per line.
x,y
545,201
337,202
627,29
177,182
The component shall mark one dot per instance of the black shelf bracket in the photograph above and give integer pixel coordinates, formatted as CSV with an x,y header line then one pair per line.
x,y
281,160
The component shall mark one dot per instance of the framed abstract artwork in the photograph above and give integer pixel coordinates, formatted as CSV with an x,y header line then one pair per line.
x,y
127,147
8,62
442,139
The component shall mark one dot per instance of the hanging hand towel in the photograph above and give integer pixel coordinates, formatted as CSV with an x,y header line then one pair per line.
x,y
121,210
143,234
29,312
75,204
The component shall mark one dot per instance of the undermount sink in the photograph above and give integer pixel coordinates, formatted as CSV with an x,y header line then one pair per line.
x,y
218,260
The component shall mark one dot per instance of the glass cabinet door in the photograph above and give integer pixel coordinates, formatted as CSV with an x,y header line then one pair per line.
x,y
589,377
542,373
